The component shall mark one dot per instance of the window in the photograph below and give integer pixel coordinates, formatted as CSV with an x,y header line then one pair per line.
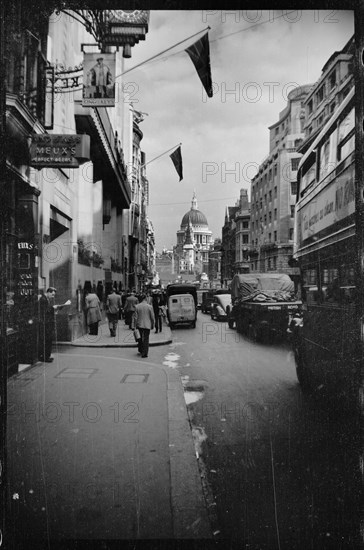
x,y
274,262
275,214
270,237
275,192
265,219
320,94
265,198
332,80
309,107
270,217
270,195
253,226
275,236
292,210
277,130
294,163
275,169
346,138
291,233
245,239
245,225
293,188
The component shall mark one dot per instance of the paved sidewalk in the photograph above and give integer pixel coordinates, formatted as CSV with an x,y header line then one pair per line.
x,y
100,448
124,338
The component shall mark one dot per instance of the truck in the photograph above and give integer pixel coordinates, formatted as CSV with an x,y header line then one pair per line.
x,y
263,305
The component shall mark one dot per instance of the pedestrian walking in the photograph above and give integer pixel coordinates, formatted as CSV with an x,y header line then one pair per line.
x,y
156,303
113,306
130,304
93,313
144,317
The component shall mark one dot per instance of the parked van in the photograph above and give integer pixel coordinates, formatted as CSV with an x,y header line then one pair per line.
x,y
182,304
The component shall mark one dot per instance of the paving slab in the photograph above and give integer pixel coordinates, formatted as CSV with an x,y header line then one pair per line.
x,y
100,448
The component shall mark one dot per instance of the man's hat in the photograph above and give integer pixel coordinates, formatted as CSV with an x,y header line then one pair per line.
x,y
99,59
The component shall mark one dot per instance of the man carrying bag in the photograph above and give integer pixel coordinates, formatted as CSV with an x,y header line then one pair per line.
x,y
144,317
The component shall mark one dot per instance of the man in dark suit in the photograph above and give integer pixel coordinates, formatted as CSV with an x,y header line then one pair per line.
x,y
144,316
113,305
47,325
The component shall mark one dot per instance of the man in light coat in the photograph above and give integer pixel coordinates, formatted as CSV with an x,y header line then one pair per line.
x,y
113,306
129,309
144,316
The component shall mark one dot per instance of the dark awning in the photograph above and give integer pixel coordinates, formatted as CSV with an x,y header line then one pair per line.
x,y
107,159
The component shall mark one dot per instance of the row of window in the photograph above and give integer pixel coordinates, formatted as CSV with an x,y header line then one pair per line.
x,y
274,235
268,196
330,84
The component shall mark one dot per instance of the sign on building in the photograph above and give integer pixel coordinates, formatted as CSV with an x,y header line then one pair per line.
x,y
59,150
98,80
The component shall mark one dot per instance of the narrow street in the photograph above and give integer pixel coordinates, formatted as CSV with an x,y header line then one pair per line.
x,y
281,467
95,437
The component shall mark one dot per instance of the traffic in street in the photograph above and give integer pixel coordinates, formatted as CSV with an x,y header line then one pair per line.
x,y
280,469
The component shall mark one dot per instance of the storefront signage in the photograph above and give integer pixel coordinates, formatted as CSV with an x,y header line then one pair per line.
x,y
59,150
99,80
332,204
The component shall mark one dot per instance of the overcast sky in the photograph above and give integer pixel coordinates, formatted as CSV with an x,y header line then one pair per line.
x,y
261,56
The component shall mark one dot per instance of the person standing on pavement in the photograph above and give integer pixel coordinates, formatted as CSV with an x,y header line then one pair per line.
x,y
129,310
93,313
144,317
47,324
113,306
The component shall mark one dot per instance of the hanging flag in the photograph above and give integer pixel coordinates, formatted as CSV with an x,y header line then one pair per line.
x,y
199,53
176,157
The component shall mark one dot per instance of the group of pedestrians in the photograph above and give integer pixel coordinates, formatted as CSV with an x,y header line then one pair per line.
x,y
143,312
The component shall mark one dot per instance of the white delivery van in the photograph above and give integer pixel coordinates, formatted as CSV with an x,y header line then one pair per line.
x,y
181,310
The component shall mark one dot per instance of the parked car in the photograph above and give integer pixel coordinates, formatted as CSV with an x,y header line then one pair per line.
x,y
220,307
207,298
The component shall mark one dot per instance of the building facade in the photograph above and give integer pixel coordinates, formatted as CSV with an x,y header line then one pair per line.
x,y
242,234
273,190
336,80
66,226
228,245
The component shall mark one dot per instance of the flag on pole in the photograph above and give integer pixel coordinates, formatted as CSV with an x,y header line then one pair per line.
x,y
199,53
176,157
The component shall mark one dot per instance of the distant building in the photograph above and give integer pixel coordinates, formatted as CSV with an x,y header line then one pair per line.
x,y
193,242
274,188
228,245
242,235
214,272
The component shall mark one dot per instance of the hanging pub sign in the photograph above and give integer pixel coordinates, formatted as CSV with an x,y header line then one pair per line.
x,y
59,150
98,80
